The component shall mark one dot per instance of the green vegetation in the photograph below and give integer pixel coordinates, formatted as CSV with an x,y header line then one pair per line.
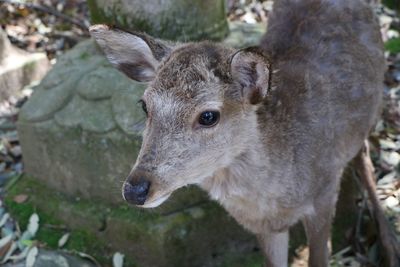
x,y
100,229
393,45
52,229
252,260
393,4
51,226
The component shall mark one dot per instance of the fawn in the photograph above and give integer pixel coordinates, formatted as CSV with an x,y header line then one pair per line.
x,y
267,130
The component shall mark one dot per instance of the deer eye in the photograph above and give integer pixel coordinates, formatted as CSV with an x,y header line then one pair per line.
x,y
209,118
144,107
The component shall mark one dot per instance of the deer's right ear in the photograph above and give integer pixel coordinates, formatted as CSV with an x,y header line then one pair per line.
x,y
251,69
135,54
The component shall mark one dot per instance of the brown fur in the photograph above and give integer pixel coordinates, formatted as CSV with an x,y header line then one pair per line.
x,y
290,121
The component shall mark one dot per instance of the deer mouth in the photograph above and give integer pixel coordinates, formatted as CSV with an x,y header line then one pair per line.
x,y
156,202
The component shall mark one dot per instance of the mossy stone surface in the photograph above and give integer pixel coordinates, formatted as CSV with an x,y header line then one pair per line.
x,y
51,258
97,119
111,82
198,236
78,162
130,120
169,19
203,235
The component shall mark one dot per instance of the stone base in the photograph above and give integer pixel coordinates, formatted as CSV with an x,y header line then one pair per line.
x,y
46,258
202,235
199,236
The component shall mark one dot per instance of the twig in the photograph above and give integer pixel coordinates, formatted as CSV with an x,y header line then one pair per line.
x,y
363,206
68,37
48,10
386,235
12,182
56,227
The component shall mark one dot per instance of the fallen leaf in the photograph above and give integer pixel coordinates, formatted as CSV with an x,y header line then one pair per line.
x,y
21,198
26,242
5,244
118,259
21,255
5,240
387,144
2,211
23,11
391,202
63,240
4,219
31,257
10,251
88,257
16,151
33,225
390,158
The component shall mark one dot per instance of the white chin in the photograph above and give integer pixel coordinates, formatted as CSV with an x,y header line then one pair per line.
x,y
156,202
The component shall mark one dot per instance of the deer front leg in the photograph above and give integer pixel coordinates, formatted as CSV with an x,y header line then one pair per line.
x,y
318,228
275,247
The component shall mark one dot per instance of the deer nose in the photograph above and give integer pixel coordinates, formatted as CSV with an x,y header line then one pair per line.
x,y
136,193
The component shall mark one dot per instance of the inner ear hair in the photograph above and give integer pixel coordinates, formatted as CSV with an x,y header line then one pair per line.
x,y
135,54
159,48
251,68
252,49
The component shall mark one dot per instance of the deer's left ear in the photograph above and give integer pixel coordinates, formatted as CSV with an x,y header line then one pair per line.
x,y
135,54
251,69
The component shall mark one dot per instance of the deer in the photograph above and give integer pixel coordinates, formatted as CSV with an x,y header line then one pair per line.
x,y
267,130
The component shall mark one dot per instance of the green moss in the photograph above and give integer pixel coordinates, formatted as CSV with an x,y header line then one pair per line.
x,y
254,259
22,212
96,15
49,236
213,26
51,227
393,45
85,242
199,234
393,4
84,56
